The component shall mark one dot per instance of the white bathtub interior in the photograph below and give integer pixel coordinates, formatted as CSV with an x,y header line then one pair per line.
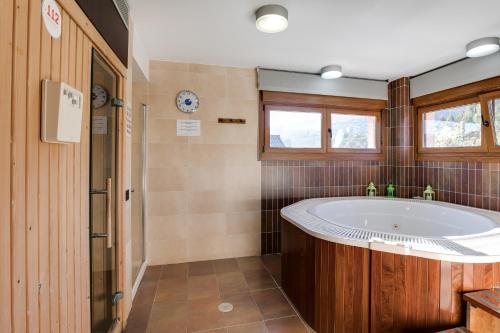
x,y
412,218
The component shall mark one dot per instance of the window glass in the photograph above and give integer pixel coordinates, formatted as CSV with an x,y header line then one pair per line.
x,y
353,131
459,126
494,108
294,129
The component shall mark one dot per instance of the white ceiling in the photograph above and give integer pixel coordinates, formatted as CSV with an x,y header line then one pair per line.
x,y
381,39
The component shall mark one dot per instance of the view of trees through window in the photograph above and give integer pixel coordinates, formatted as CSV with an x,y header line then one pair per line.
x,y
458,126
353,131
494,106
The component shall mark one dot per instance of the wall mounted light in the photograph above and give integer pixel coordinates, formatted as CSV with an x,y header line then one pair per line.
x,y
482,47
271,18
331,72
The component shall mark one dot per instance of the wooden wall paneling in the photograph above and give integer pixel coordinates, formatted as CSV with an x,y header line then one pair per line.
x,y
33,138
6,29
445,302
44,197
18,165
44,245
376,291
339,288
54,203
70,182
457,304
84,183
78,193
63,190
400,301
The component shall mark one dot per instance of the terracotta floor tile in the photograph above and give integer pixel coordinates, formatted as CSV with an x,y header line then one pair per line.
x,y
231,283
146,293
259,327
286,325
244,310
272,304
174,271
203,314
200,268
168,317
202,286
152,273
138,320
272,263
172,289
250,263
259,279
226,266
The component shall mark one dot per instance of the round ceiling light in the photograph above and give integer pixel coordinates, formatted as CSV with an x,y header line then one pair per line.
x,y
482,47
331,72
271,18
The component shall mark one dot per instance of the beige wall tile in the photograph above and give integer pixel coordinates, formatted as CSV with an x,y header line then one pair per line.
x,y
161,252
243,223
206,225
206,201
171,227
167,179
167,203
203,192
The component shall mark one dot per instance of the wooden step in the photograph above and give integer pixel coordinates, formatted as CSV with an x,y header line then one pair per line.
x,y
456,330
483,310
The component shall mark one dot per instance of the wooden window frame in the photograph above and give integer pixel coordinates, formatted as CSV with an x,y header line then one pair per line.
x,y
326,105
482,92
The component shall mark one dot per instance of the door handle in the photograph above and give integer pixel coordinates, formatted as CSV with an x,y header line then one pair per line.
x,y
109,206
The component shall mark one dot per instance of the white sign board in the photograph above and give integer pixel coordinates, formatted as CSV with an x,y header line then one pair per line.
x,y
52,18
128,121
99,125
188,127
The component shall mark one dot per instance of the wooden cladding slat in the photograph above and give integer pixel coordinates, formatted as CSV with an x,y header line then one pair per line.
x,y
327,282
340,288
44,232
6,46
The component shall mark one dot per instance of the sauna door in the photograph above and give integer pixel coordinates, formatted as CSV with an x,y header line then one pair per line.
x,y
103,180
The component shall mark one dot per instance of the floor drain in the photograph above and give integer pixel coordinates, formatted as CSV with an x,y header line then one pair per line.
x,y
225,307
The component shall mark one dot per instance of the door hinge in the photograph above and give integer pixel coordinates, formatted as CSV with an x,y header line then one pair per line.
x,y
117,102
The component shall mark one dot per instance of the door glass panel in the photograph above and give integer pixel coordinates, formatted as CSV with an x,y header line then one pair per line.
x,y
138,177
459,126
102,196
494,109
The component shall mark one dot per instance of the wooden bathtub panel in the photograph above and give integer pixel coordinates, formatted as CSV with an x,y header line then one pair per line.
x,y
340,288
327,282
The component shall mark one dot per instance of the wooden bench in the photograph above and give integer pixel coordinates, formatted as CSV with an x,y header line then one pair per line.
x,y
483,311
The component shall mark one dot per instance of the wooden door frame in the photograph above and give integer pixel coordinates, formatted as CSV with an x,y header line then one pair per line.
x,y
99,44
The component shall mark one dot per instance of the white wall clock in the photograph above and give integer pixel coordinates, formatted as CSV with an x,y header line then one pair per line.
x,y
99,96
187,101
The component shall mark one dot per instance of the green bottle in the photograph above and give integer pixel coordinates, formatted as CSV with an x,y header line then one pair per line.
x,y
390,191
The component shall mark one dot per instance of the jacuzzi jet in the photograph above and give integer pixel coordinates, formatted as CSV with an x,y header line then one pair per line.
x,y
225,307
395,226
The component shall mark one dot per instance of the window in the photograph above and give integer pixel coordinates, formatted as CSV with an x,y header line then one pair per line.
x,y
462,128
355,131
317,129
294,129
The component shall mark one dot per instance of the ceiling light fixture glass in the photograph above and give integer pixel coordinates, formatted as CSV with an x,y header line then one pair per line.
x,y
271,18
331,72
482,47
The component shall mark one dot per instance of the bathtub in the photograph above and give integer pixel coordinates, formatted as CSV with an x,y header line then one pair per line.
x,y
360,264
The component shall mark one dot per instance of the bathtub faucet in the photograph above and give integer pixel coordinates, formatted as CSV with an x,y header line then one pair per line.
x,y
371,190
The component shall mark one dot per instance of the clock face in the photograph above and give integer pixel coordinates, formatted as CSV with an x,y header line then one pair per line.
x,y
99,96
187,101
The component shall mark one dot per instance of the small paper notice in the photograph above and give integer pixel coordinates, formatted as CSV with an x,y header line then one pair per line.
x,y
128,121
100,125
188,127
